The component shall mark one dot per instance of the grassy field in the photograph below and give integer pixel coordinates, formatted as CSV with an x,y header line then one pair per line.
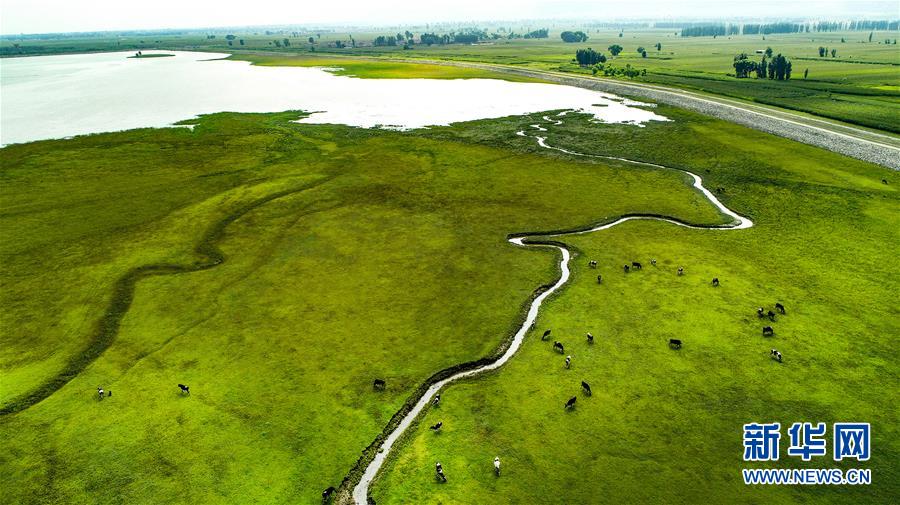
x,y
276,269
373,69
860,85
664,426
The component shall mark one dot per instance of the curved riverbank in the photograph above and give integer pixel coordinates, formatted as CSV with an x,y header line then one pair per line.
x,y
374,457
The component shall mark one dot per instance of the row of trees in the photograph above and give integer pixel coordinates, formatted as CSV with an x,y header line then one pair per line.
x,y
823,51
779,68
573,36
543,33
716,29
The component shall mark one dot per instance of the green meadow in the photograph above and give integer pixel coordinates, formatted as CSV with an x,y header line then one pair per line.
x,y
276,269
664,425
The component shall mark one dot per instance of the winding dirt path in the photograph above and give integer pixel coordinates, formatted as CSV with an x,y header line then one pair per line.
x,y
361,488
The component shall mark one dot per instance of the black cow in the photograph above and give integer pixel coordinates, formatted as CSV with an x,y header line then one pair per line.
x,y
768,331
184,389
674,343
653,261
439,472
568,362
590,338
571,403
771,315
680,270
100,393
436,401
379,384
626,268
715,282
593,263
437,426
635,265
326,495
884,181
779,307
545,335
599,279
586,387
776,355
559,347
760,312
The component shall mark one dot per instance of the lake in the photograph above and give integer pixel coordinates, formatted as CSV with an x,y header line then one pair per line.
x,y
49,97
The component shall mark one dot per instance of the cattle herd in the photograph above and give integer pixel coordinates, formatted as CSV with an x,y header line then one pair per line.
x,y
674,343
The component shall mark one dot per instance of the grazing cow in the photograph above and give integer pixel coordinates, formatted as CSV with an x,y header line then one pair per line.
x,y
768,331
635,265
590,338
568,361
760,312
715,282
599,279
436,401
109,393
545,335
379,384
558,347
771,315
593,263
571,403
586,387
680,270
533,323
776,355
439,472
779,307
674,343
497,465
653,261
100,393
884,181
437,426
184,389
626,268
327,494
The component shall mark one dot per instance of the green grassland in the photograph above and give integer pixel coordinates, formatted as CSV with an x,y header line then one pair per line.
x,y
375,69
664,426
277,269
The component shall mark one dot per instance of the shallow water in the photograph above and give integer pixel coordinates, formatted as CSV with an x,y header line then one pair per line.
x,y
60,96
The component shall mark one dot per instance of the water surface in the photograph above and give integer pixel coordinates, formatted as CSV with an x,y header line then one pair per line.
x,y
60,96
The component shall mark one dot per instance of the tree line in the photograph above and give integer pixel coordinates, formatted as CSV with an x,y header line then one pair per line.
x,y
778,68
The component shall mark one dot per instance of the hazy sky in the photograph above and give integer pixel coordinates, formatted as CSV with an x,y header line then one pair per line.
x,y
40,16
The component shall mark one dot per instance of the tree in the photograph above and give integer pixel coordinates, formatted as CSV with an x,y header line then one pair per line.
x,y
277,43
615,49
588,57
743,66
229,37
643,54
780,68
870,36
761,68
833,52
241,41
769,52
821,51
842,40
286,42
640,49
805,73
658,46
573,36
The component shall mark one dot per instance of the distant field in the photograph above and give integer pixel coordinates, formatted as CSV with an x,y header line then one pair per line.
x,y
371,69
860,85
